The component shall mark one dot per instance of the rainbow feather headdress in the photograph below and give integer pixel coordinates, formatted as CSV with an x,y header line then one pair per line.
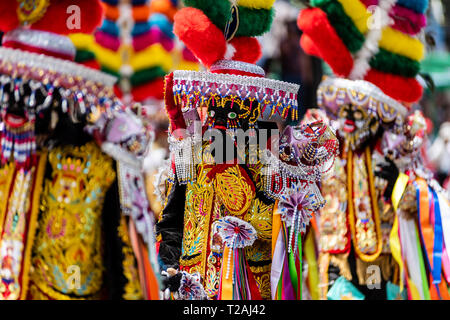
x,y
222,35
372,40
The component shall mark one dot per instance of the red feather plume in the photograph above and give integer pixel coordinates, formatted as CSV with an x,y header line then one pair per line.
x,y
200,35
398,87
247,49
323,41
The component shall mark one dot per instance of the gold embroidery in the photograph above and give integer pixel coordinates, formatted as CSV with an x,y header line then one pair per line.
x,y
233,191
38,292
259,254
229,193
365,233
212,277
33,221
12,242
365,227
263,283
18,227
333,218
69,235
133,287
6,176
260,217
189,262
30,11
198,207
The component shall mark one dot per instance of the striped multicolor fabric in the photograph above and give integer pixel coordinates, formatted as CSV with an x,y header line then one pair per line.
x,y
386,52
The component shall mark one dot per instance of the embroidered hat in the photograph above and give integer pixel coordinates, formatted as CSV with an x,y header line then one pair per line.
x,y
335,92
222,35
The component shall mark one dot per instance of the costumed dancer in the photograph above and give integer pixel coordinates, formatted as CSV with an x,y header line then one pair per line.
x,y
418,238
136,44
229,216
373,47
70,214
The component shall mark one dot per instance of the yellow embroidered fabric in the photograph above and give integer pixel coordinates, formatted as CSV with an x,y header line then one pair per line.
x,y
198,208
132,287
228,193
12,237
333,218
365,229
260,217
29,12
6,176
22,189
233,191
67,253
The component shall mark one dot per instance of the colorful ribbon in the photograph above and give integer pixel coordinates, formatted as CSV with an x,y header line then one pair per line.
x,y
432,236
394,238
286,272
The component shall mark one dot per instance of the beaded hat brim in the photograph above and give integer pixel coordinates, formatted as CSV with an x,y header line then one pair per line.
x,y
277,99
335,92
74,82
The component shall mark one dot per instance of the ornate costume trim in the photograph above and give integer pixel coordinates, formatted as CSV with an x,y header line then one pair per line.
x,y
191,287
133,200
297,209
364,225
18,228
30,12
236,234
295,172
7,173
132,289
334,92
194,89
183,152
69,226
38,185
198,213
334,235
28,64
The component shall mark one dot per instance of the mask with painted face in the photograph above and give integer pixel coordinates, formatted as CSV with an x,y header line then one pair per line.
x,y
356,125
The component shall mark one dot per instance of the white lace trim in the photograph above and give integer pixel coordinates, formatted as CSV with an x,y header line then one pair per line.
x,y
42,39
238,65
207,78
